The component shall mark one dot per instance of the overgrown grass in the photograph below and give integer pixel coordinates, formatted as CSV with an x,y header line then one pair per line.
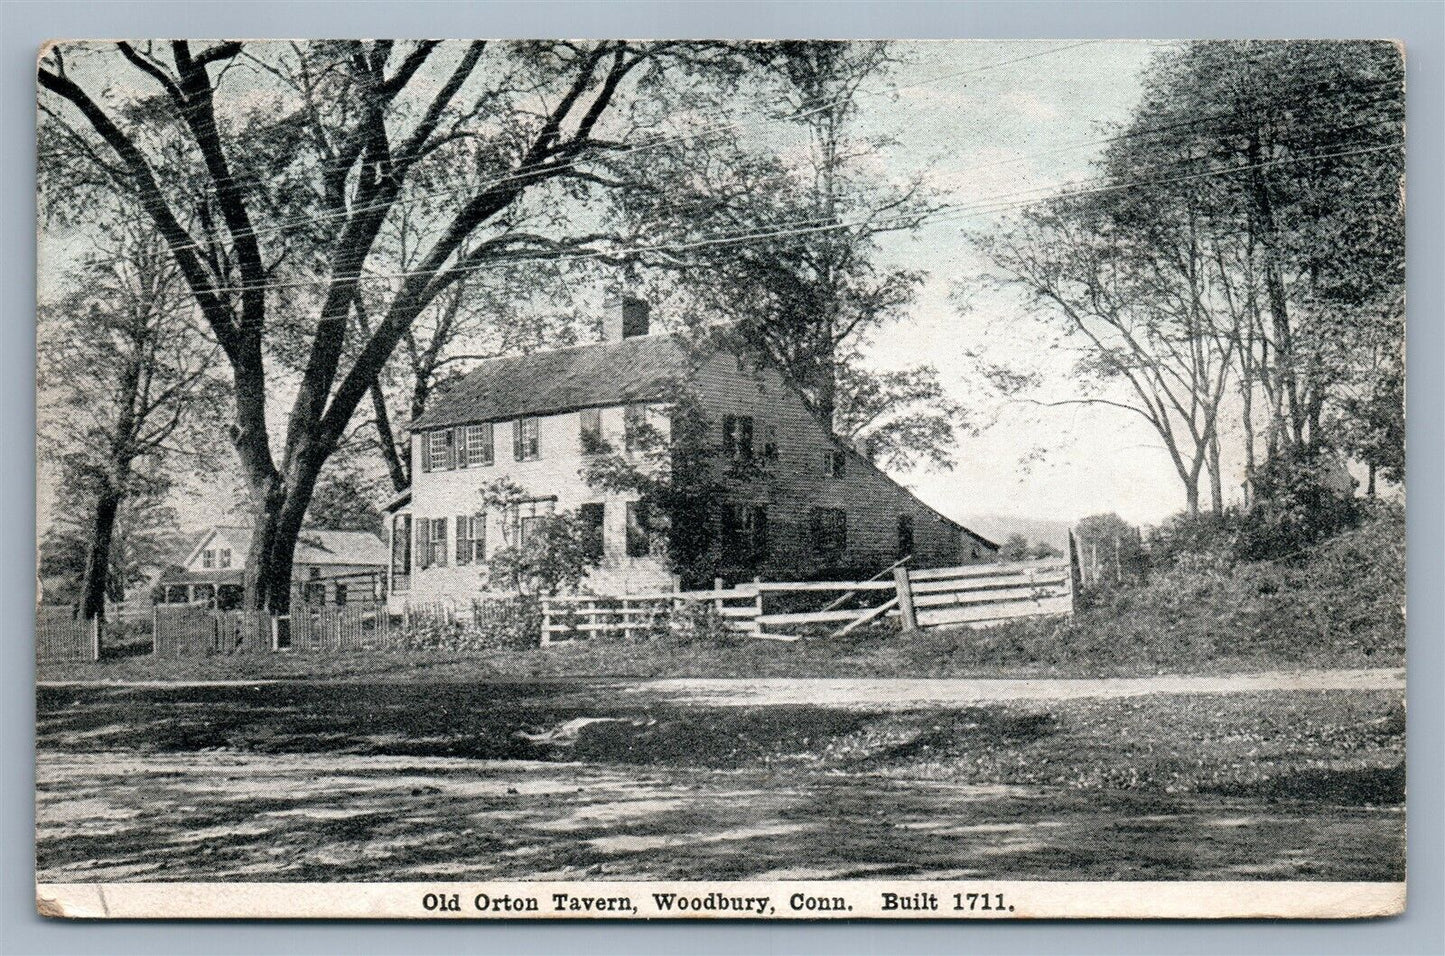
x,y
1338,604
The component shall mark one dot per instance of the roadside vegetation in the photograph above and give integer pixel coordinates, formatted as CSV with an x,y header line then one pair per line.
x,y
1335,603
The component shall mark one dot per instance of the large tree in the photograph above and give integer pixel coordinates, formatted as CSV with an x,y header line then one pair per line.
x,y
786,244
127,398
294,159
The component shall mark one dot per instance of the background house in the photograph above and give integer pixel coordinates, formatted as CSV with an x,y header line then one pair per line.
x,y
811,506
331,567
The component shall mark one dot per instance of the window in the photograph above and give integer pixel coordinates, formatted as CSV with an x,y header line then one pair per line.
x,y
770,442
744,533
208,558
905,535
593,515
738,437
471,538
439,542
834,463
401,552
204,593
223,558
829,528
477,445
639,530
522,519
437,454
340,593
526,440
591,430
634,426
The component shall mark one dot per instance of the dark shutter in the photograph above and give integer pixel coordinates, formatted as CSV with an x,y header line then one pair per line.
x,y
425,451
517,440
479,536
423,543
459,442
464,540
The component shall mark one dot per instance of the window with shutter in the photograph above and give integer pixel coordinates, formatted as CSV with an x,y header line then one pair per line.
x,y
592,516
439,542
439,449
464,539
423,542
738,437
478,445
208,558
526,439
905,535
634,424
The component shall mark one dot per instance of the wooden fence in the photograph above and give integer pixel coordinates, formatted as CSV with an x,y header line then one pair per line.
x,y
62,635
974,595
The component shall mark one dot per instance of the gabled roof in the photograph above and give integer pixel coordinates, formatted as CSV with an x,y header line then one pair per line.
x,y
313,546
642,368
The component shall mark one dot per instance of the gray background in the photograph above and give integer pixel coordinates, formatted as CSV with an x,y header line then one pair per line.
x,y
24,24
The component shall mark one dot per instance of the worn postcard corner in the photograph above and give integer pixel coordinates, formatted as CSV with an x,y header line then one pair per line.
x,y
782,479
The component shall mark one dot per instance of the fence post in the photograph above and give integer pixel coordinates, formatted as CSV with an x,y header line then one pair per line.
x,y
275,633
546,622
717,585
95,629
155,630
757,602
1075,572
905,599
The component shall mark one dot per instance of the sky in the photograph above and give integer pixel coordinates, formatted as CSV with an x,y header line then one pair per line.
x,y
982,120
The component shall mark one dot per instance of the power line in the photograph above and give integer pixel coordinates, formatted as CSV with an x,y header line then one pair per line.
x,y
947,213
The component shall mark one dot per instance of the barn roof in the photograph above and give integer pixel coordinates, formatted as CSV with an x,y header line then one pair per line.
x,y
313,546
642,368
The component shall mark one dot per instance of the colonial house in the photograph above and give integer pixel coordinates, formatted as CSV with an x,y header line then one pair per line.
x,y
330,567
810,504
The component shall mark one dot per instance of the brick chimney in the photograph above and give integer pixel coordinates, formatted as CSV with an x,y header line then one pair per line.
x,y
625,317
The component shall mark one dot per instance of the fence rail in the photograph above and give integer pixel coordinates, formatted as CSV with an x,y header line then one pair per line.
x,y
974,595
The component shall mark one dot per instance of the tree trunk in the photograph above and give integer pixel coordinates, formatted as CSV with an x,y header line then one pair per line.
x,y
278,512
1191,497
1370,482
1216,479
97,558
395,467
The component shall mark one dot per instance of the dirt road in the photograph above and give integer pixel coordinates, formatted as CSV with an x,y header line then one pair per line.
x,y
908,693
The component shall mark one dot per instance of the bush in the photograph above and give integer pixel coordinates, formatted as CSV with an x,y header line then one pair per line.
x,y
508,624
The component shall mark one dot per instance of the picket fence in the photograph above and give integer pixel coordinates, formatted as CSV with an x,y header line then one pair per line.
x,y
974,595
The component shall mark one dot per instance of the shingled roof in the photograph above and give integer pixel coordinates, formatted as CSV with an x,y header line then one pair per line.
x,y
642,368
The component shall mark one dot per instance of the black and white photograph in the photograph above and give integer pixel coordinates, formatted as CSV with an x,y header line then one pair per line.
x,y
720,479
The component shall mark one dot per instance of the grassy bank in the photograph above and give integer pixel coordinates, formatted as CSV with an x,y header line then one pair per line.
x,y
1337,605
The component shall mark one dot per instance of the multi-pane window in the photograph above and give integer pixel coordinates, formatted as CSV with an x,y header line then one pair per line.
x,y
208,558
634,426
438,450
477,445
737,437
744,533
223,558
341,593
431,542
829,527
471,538
770,442
590,426
524,518
526,439
905,535
592,516
834,463
639,530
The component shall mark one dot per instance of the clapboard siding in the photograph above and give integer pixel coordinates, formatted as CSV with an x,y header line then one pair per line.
x,y
794,484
